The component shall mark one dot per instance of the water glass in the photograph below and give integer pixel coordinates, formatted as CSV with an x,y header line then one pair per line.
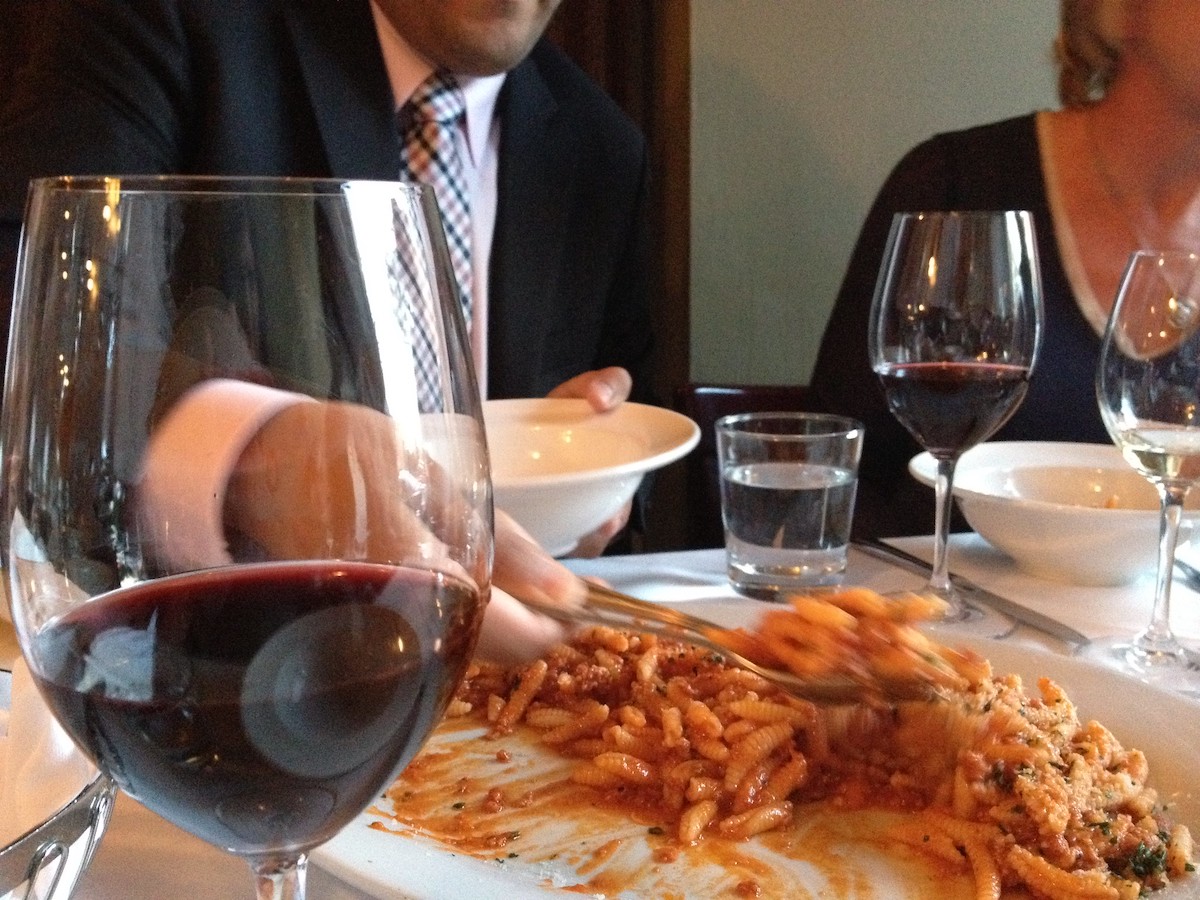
x,y
788,481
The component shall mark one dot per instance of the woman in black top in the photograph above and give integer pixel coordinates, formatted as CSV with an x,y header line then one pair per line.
x,y
1116,169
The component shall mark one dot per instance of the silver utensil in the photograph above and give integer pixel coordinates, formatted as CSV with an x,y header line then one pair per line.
x,y
605,606
973,593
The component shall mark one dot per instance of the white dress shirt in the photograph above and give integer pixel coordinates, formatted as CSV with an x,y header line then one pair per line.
x,y
478,149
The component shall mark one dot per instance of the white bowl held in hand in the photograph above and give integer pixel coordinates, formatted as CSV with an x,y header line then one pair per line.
x,y
1076,513
562,470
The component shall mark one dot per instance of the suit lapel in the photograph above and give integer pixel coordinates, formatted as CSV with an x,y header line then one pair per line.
x,y
536,169
351,97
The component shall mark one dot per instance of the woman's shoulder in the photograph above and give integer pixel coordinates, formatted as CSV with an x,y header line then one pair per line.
x,y
980,166
1014,138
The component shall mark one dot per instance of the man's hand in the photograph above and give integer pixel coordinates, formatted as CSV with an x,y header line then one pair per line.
x,y
320,479
604,389
512,631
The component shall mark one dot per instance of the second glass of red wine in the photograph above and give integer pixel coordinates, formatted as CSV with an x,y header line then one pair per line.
x,y
246,507
956,323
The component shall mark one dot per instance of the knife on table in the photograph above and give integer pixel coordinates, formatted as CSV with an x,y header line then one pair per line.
x,y
973,593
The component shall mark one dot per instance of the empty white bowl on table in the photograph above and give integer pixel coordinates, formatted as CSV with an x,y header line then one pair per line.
x,y
562,470
1067,512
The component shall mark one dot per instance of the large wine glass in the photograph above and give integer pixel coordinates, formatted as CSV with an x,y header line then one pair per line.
x,y
1148,387
956,322
247,512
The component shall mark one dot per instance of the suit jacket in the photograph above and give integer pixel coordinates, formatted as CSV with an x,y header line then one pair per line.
x,y
298,87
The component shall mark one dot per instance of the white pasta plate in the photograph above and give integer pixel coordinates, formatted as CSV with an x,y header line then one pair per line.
x,y
567,848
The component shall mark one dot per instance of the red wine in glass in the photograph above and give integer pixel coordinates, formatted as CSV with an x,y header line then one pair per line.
x,y
253,703
247,519
949,407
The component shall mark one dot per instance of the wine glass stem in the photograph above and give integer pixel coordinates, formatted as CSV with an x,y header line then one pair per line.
x,y
939,581
280,878
1158,636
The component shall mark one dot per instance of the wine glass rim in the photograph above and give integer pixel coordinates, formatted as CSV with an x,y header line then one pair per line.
x,y
200,185
830,424
961,213
1143,253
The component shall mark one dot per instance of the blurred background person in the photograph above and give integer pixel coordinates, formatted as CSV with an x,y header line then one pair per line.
x,y
1115,169
554,173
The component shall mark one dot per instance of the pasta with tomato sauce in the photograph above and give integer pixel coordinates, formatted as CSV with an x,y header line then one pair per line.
x,y
1008,784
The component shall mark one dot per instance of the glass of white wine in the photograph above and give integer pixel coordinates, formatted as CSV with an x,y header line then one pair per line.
x,y
1148,388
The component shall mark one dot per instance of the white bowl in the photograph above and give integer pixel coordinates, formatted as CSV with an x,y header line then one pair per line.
x,y
562,470
1075,513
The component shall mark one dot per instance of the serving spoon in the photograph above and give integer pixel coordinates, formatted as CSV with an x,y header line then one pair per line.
x,y
605,606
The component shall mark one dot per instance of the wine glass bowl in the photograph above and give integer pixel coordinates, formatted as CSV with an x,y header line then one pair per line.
x,y
1148,389
247,512
954,332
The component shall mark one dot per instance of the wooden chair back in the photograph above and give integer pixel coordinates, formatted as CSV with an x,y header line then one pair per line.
x,y
704,403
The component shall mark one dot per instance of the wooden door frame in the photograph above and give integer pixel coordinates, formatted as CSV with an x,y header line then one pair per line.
x,y
639,51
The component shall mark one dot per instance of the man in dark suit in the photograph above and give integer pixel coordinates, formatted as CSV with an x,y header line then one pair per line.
x,y
307,87
312,88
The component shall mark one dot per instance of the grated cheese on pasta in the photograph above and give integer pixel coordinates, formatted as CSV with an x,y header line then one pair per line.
x,y
1007,784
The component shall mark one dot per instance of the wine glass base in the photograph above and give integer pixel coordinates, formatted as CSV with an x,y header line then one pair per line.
x,y
1173,667
968,620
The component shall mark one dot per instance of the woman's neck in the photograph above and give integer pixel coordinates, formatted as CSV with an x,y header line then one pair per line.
x,y
1146,157
1119,181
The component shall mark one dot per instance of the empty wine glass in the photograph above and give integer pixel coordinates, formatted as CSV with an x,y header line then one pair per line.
x,y
246,511
956,323
1148,387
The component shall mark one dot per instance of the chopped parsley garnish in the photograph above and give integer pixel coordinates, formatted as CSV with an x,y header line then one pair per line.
x,y
1148,861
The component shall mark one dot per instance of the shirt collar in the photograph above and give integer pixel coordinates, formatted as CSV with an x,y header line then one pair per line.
x,y
407,69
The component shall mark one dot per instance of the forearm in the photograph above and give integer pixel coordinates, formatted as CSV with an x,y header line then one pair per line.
x,y
238,471
190,459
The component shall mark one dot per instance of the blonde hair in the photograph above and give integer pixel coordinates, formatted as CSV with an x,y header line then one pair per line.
x,y
1087,49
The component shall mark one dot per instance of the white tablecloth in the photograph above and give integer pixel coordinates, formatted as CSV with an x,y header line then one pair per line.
x,y
144,857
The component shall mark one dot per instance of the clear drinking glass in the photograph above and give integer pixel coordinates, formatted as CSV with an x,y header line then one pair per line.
x,y
956,323
788,481
1148,387
246,505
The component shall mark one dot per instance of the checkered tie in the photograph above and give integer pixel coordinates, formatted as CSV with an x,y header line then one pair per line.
x,y
415,287
429,124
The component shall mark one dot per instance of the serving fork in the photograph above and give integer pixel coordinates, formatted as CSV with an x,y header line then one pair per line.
x,y
604,605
